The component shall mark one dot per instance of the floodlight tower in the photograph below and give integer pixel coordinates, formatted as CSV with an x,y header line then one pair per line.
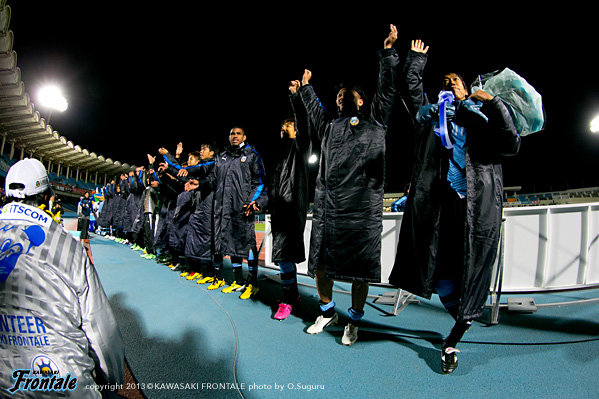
x,y
595,125
52,98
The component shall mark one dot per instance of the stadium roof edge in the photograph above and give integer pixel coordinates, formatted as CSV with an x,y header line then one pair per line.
x,y
23,128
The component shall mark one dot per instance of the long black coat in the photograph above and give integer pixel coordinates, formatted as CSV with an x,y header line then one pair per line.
x,y
146,196
167,200
177,234
118,205
135,188
238,178
348,202
190,228
415,262
288,191
105,216
199,243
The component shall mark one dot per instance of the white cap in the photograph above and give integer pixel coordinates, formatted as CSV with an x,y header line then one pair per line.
x,y
29,172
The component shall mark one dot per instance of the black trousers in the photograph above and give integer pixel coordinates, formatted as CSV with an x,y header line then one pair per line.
x,y
83,227
148,233
451,248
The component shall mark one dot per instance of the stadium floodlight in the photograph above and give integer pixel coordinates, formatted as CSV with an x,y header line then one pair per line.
x,y
595,125
52,98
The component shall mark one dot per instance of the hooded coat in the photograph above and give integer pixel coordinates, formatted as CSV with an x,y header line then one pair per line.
x,y
288,193
416,257
238,178
348,201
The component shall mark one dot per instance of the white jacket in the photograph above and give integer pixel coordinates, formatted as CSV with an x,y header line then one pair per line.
x,y
54,314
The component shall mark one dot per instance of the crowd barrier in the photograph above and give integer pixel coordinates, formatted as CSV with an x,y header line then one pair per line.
x,y
543,249
390,235
551,248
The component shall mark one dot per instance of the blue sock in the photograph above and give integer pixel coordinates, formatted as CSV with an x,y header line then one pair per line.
x,y
237,273
355,315
218,268
449,296
327,309
208,266
252,268
287,267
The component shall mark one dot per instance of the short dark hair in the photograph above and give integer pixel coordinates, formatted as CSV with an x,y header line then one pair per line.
x,y
459,75
354,87
212,145
288,120
195,154
238,127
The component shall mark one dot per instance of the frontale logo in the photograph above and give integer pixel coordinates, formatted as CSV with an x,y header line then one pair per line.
x,y
44,376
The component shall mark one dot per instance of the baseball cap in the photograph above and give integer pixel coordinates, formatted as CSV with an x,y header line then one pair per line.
x,y
31,173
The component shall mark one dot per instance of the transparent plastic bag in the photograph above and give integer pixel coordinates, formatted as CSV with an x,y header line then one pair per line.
x,y
523,101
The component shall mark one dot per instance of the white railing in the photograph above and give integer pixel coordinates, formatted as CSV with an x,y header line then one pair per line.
x,y
551,248
544,249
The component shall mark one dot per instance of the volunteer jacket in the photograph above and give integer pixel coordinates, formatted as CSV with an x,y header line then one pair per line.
x,y
54,315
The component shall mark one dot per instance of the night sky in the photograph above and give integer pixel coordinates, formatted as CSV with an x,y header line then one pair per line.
x,y
140,78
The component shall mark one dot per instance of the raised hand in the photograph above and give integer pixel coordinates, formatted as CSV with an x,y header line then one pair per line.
x,y
391,38
418,46
294,86
307,76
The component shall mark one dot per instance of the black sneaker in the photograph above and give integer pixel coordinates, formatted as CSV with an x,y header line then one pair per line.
x,y
449,360
164,259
